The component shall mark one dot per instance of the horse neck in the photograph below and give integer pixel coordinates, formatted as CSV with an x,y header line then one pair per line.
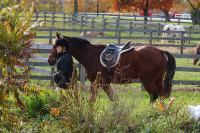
x,y
87,54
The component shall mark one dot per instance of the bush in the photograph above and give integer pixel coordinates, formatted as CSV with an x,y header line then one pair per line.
x,y
15,42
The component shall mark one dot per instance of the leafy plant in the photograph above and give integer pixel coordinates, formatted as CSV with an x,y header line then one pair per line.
x,y
15,42
79,111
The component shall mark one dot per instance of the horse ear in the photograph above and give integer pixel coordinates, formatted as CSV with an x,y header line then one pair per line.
x,y
129,42
58,35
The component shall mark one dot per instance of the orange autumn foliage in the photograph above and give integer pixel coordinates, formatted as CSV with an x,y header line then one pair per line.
x,y
159,5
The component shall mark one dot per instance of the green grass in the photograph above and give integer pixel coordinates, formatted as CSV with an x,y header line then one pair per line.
x,y
130,111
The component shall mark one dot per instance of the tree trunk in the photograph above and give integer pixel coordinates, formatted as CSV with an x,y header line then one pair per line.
x,y
196,19
145,14
119,15
167,16
75,6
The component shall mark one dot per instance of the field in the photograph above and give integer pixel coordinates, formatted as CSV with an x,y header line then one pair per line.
x,y
130,111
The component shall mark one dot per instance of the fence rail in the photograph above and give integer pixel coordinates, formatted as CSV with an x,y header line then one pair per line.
x,y
69,17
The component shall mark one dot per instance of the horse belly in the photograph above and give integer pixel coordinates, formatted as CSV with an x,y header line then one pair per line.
x,y
126,70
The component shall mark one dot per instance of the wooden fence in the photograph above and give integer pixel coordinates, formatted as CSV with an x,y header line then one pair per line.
x,y
66,17
45,48
79,23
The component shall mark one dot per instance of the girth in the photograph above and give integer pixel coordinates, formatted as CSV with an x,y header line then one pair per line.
x,y
110,56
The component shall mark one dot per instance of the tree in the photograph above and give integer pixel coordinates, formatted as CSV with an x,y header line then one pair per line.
x,y
165,6
181,5
15,42
195,11
144,5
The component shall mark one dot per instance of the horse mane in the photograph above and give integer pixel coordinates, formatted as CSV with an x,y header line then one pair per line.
x,y
78,42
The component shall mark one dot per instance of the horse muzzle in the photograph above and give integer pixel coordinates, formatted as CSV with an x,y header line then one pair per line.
x,y
52,62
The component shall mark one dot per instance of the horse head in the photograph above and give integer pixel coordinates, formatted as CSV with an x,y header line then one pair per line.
x,y
53,57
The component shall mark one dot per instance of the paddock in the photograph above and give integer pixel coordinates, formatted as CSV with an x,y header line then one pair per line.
x,y
150,34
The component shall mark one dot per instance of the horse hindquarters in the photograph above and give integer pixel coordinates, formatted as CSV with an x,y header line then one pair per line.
x,y
170,71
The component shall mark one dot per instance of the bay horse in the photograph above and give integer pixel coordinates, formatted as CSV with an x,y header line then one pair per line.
x,y
146,63
197,51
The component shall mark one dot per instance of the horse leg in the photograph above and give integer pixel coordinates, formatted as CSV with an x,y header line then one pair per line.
x,y
109,91
159,86
150,88
195,61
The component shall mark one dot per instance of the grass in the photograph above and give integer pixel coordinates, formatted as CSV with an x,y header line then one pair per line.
x,y
129,112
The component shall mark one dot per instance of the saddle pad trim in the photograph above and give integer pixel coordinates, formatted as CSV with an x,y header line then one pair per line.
x,y
103,64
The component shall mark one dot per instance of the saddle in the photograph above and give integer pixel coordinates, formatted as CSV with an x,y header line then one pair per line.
x,y
110,56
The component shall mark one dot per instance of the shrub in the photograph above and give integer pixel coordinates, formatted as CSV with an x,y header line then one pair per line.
x,y
15,41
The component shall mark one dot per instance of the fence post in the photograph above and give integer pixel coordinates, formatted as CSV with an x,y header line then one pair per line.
x,y
82,23
117,24
150,40
50,37
104,24
82,75
72,23
63,20
92,23
45,19
144,29
119,34
53,19
158,29
130,28
27,64
182,41
70,19
179,21
52,80
36,19
86,18
190,29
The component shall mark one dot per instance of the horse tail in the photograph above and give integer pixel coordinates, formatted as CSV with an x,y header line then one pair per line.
x,y
163,35
197,51
197,48
170,71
